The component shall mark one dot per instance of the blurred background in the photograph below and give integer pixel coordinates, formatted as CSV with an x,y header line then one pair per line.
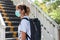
x,y
47,11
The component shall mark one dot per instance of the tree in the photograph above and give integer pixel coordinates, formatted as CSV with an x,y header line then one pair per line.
x,y
55,15
53,10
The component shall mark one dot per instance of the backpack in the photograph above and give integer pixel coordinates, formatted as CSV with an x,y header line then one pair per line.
x,y
35,29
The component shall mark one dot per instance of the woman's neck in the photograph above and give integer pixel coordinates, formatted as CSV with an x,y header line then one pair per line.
x,y
22,16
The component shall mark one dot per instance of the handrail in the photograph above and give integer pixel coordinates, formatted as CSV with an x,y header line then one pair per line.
x,y
2,21
2,28
49,18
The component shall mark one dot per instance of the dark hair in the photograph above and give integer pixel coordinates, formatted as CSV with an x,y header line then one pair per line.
x,y
28,10
23,7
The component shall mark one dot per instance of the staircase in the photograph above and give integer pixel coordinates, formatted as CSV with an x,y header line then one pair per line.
x,y
7,9
49,28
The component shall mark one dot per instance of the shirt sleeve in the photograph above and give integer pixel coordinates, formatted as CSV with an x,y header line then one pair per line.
x,y
23,26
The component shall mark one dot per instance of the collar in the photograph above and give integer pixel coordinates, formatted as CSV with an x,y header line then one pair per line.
x,y
26,17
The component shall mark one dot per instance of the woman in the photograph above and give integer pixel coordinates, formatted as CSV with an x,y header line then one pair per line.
x,y
22,11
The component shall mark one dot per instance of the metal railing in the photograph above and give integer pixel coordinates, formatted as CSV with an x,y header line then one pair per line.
x,y
2,28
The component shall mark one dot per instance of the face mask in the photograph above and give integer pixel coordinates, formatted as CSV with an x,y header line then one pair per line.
x,y
17,13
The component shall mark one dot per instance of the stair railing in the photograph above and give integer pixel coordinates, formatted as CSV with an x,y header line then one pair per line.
x,y
2,28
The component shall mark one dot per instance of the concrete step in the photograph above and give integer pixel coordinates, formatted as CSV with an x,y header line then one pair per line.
x,y
9,29
12,19
11,34
10,6
6,1
11,38
8,23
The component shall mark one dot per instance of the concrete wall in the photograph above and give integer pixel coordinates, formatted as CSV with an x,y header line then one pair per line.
x,y
59,34
16,2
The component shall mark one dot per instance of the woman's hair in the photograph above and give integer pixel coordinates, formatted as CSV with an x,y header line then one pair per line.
x,y
28,10
25,8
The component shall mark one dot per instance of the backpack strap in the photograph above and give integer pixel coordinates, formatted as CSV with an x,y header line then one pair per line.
x,y
26,19
27,36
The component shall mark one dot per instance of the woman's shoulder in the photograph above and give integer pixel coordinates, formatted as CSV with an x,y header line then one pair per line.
x,y
24,21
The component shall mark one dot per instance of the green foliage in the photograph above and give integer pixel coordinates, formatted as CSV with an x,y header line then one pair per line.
x,y
55,5
46,1
36,2
55,14
53,10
